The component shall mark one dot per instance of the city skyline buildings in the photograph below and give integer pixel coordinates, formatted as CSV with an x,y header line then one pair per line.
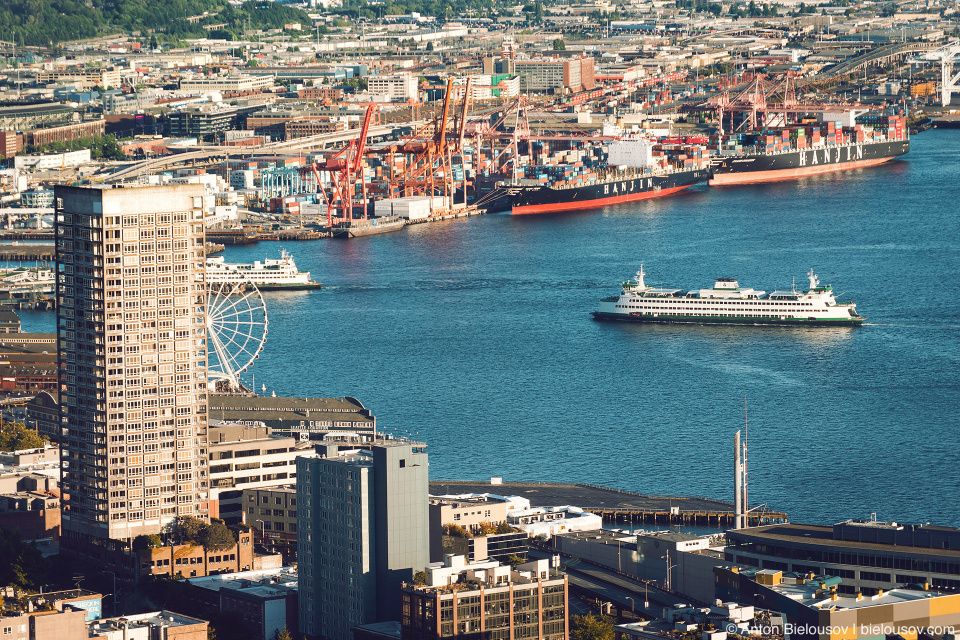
x,y
131,334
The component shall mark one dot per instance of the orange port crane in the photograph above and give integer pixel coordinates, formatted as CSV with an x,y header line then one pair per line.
x,y
426,155
345,168
513,130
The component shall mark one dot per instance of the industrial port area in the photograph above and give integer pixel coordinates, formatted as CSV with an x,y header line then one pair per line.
x,y
149,490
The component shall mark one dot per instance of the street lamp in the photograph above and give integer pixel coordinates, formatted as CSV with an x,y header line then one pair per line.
x,y
261,528
114,576
669,568
632,603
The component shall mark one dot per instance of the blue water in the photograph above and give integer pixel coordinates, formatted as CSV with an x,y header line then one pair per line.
x,y
475,336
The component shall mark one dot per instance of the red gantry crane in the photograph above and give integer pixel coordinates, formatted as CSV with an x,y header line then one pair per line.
x,y
345,169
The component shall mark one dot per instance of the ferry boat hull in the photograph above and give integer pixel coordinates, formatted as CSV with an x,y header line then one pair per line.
x,y
308,286
761,167
547,199
681,319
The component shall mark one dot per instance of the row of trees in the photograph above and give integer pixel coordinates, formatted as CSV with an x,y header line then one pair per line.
x,y
215,536
101,147
482,529
46,22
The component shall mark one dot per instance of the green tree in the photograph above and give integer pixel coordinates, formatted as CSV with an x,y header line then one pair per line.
x,y
217,537
430,46
458,531
108,148
504,527
153,42
487,528
14,436
514,560
21,564
187,530
559,45
152,541
591,627
420,578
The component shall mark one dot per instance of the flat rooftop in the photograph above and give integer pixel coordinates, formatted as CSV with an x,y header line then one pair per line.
x,y
819,535
270,403
588,497
600,536
813,597
247,579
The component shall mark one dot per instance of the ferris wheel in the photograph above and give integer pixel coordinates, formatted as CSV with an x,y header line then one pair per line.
x,y
236,330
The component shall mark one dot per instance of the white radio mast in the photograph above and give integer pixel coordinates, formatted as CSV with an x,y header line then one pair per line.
x,y
746,439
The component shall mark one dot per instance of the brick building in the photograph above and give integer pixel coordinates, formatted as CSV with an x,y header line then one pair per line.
x,y
66,133
266,601
303,127
191,561
321,93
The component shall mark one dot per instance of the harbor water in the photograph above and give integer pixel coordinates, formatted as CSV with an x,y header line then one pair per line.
x,y
474,336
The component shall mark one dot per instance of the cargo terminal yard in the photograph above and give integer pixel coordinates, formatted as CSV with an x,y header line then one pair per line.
x,y
316,142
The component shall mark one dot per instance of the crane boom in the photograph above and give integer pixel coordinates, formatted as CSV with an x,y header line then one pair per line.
x,y
463,115
362,140
442,132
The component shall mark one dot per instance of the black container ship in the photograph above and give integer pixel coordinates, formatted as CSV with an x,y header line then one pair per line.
x,y
615,188
635,169
798,151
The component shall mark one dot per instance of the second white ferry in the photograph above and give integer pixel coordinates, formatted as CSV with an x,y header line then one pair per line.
x,y
728,303
273,274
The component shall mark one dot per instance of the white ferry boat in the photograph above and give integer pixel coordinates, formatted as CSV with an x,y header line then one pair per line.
x,y
728,303
273,274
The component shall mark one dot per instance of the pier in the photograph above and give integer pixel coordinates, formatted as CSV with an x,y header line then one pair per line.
x,y
27,253
462,213
615,505
17,234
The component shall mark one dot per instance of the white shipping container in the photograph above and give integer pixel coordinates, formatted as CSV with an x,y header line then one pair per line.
x,y
310,209
383,207
410,207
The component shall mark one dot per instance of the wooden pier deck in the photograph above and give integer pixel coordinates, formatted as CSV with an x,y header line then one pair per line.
x,y
26,253
615,505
